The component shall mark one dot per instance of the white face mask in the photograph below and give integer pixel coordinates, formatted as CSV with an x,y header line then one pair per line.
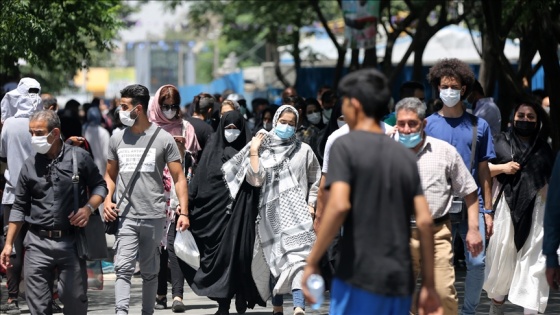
x,y
169,114
125,117
40,143
314,118
450,97
231,134
340,123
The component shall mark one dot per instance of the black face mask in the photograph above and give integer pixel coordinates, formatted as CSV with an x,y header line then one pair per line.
x,y
525,128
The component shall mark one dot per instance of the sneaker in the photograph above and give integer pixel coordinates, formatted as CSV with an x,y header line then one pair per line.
x,y
55,307
177,306
496,309
299,311
161,304
10,308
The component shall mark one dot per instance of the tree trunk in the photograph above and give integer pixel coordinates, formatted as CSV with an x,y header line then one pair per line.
x,y
370,58
296,53
548,46
354,61
276,59
339,67
418,66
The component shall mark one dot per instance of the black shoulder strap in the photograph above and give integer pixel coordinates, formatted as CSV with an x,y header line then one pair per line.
x,y
474,137
127,188
75,180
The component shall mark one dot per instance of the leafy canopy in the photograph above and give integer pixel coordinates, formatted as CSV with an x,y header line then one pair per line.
x,y
56,34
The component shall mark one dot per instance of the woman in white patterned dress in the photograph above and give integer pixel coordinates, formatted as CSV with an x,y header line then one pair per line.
x,y
288,173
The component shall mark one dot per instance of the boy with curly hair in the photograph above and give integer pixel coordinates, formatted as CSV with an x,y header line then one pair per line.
x,y
453,79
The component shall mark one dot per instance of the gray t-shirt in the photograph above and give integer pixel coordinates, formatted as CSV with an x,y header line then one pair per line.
x,y
145,199
15,145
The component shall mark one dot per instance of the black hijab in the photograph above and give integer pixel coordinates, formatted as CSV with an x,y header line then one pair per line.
x,y
520,190
331,127
224,231
209,175
259,122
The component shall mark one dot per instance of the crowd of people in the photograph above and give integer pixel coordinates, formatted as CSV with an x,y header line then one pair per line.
x,y
370,192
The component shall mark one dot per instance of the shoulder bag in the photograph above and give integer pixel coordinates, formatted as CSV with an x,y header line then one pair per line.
x,y
458,211
90,240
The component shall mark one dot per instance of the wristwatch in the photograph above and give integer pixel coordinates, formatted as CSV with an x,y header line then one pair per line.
x,y
91,208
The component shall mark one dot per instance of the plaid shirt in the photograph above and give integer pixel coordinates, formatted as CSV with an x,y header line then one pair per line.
x,y
443,174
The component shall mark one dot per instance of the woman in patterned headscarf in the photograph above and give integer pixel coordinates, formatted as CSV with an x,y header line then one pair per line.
x,y
288,173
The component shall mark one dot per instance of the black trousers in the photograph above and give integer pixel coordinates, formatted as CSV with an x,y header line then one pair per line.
x,y
163,270
178,268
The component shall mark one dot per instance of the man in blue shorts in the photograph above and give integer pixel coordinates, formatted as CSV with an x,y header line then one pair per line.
x,y
374,189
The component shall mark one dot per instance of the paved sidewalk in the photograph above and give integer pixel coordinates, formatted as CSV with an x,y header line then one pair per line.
x,y
102,302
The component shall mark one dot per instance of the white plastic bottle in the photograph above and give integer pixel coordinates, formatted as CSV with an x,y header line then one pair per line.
x,y
316,286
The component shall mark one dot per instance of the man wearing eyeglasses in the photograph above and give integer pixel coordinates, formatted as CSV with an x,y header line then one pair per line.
x,y
443,174
41,200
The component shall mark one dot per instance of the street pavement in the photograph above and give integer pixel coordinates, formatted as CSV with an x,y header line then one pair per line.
x,y
102,302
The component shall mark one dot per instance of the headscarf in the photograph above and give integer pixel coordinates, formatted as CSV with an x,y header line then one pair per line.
x,y
19,102
259,122
173,126
93,116
281,197
520,189
207,187
331,127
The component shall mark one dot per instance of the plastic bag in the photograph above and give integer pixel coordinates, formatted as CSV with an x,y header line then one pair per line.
x,y
186,249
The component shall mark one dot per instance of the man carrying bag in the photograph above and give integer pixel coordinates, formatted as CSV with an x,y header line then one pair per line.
x,y
44,184
138,155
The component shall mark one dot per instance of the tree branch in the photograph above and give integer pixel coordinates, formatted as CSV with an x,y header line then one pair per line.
x,y
472,38
511,19
324,22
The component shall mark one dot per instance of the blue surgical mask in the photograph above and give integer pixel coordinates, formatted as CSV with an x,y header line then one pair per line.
x,y
284,131
411,140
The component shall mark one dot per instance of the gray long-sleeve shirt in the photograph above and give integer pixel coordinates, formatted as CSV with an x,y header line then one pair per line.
x,y
44,193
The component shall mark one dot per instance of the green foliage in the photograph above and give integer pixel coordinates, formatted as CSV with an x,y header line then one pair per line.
x,y
57,35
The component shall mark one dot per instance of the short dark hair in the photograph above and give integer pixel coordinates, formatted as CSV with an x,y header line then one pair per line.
x,y
259,101
49,101
370,88
205,103
329,96
477,87
296,101
138,94
540,93
455,68
409,87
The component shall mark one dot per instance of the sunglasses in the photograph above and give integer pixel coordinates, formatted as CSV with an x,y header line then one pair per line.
x,y
168,107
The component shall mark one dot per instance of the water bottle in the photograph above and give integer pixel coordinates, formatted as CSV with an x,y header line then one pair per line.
x,y
316,286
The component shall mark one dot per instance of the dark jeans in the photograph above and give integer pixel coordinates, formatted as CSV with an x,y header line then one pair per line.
x,y
163,269
13,274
